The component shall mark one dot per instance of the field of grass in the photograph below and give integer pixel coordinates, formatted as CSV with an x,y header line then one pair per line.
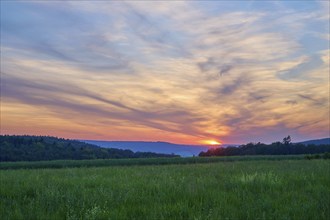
x,y
249,189
139,161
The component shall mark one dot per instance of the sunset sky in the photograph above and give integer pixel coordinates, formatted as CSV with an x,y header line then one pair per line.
x,y
182,72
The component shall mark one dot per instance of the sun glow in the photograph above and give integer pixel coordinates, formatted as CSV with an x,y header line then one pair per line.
x,y
211,142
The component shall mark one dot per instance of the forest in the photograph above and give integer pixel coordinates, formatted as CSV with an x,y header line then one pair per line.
x,y
37,148
277,148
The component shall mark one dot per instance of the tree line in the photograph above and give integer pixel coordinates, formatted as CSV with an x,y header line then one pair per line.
x,y
277,148
37,148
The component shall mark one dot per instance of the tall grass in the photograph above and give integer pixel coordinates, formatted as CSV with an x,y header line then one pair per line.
x,y
139,161
284,189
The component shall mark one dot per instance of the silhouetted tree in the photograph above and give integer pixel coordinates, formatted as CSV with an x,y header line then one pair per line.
x,y
276,148
287,140
34,148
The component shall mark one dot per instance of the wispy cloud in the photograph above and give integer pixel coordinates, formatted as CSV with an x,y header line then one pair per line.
x,y
179,71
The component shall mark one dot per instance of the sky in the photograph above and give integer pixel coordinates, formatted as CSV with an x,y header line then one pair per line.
x,y
176,71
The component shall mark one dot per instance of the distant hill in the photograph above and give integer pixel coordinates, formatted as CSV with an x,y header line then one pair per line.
x,y
316,142
276,148
37,148
157,147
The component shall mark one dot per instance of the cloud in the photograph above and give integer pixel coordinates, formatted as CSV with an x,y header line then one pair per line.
x,y
66,98
313,100
190,70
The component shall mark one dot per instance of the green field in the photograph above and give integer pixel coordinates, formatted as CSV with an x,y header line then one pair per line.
x,y
263,188
138,161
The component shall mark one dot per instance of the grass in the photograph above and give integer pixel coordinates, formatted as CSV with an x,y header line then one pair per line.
x,y
249,189
139,161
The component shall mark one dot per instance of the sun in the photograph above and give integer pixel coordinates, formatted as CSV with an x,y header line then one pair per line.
x,y
212,142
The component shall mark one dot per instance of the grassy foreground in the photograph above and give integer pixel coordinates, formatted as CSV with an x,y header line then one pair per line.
x,y
262,189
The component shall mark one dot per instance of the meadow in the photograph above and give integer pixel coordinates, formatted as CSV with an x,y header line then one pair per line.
x,y
138,161
259,188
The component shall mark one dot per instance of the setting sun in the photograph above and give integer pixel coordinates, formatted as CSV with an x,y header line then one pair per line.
x,y
212,142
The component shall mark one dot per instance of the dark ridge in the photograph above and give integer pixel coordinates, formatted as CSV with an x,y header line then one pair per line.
x,y
317,141
277,148
38,148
